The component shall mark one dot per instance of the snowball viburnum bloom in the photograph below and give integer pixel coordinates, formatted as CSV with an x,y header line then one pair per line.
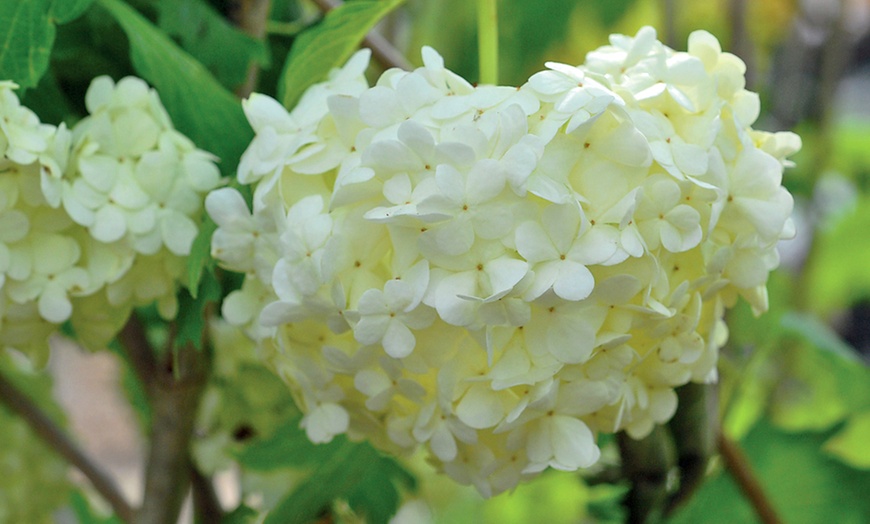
x,y
500,274
97,220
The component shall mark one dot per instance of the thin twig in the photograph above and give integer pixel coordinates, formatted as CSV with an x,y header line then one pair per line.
x,y
382,50
58,440
738,466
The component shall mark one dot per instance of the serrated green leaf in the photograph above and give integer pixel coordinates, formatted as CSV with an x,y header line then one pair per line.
x,y
63,11
199,106
288,447
26,36
353,472
328,44
210,38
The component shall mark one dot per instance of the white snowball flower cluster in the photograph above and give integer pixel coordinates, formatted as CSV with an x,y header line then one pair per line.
x,y
95,221
496,273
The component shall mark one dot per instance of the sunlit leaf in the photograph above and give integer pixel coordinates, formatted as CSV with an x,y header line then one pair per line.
x,y
825,381
850,443
838,275
329,44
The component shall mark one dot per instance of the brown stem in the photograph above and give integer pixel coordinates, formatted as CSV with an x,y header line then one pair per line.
x,y
646,464
206,505
174,384
252,16
139,352
382,50
694,428
738,466
59,441
175,393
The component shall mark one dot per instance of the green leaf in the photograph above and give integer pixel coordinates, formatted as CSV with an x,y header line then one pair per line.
x,y
26,36
522,50
554,497
353,472
64,11
824,382
199,106
611,11
328,44
192,311
838,273
819,335
850,444
200,255
27,32
287,447
210,38
241,515
805,485
85,514
49,101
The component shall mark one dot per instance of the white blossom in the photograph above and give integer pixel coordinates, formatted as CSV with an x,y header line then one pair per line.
x,y
501,274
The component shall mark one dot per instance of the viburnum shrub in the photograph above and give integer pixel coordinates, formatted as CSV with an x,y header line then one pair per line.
x,y
496,273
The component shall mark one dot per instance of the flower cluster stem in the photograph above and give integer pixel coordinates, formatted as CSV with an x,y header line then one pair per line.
x,y
487,40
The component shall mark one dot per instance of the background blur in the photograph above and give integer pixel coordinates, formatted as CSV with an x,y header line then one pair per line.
x,y
795,385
